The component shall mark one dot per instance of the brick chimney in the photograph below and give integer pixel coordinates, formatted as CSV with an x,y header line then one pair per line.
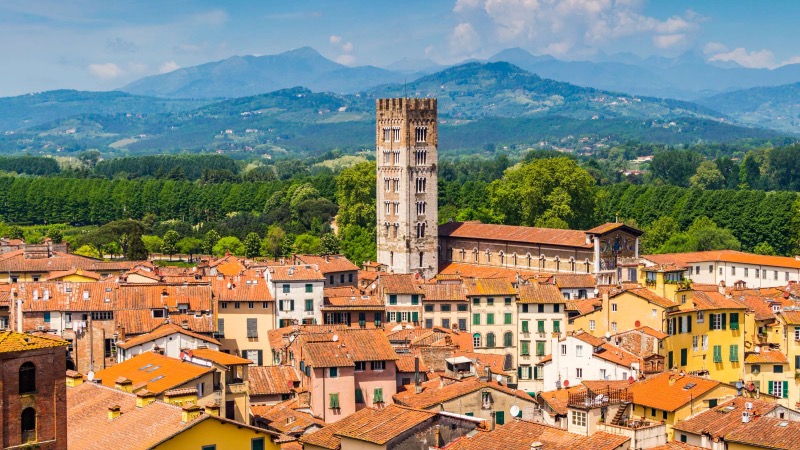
x,y
190,412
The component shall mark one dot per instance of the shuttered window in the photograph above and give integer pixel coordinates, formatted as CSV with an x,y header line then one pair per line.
x,y
378,396
734,321
334,401
734,351
717,353
524,326
526,348
221,327
540,326
359,396
252,327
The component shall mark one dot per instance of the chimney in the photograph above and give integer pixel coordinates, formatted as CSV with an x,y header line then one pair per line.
x,y
123,384
144,398
417,386
671,380
114,412
212,409
190,412
74,378
537,445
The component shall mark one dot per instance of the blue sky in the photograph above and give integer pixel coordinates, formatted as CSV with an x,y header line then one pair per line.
x,y
105,44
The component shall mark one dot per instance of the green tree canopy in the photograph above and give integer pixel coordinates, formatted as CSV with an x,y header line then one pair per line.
x,y
229,244
152,243
329,244
707,176
307,244
704,234
136,250
274,241
210,240
190,246
169,244
252,245
355,193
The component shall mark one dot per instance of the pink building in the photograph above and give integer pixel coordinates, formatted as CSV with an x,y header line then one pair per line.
x,y
346,370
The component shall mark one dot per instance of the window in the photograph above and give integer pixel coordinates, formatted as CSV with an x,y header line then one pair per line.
x,y
540,326
415,300
421,134
334,398
27,378
97,315
309,287
540,308
733,270
377,396
701,317
556,326
526,330
28,425
428,323
393,299
613,307
734,353
285,288
525,348
462,324
209,447
757,273
251,305
223,305
490,301
489,318
579,351
705,342
252,327
333,372
445,323
579,373
378,365
778,388
490,340
540,348
777,368
717,354
591,325
359,396
476,319
717,321
507,318
508,339
360,366
614,326
428,308
734,321
563,349
476,340
746,272
578,418
695,343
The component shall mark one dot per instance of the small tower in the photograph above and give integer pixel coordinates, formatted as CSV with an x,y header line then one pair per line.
x,y
407,193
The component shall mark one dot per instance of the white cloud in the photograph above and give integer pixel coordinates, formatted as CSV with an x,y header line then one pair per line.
x,y
714,47
334,39
754,59
565,26
105,71
668,40
347,47
168,66
464,38
345,59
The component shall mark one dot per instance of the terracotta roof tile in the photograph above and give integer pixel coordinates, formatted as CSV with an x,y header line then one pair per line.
x,y
328,264
272,380
767,432
519,434
611,226
791,317
708,301
302,272
400,284
11,341
16,261
584,306
489,286
464,270
5,294
648,295
137,321
657,392
724,418
159,372
444,292
162,331
328,438
540,293
559,398
67,296
677,445
433,393
765,356
286,417
759,305
198,297
732,256
529,235
385,425
241,289
574,280
352,345
228,265
221,358
405,364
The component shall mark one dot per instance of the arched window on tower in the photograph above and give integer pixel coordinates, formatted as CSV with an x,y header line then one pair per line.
x,y
28,425
421,254
541,261
558,263
572,264
529,258
463,254
502,258
587,264
475,253
27,378
515,258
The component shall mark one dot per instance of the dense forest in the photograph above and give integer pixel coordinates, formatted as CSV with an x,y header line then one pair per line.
x,y
684,199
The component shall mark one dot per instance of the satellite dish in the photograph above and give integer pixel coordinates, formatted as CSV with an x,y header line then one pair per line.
x,y
499,378
757,349
596,291
335,337
608,334
514,410
90,376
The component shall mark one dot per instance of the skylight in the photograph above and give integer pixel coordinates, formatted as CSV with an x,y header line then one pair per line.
x,y
689,386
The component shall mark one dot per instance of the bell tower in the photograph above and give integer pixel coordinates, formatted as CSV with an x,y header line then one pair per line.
x,y
407,193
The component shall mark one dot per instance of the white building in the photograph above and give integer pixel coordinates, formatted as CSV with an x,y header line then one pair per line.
x,y
730,267
298,293
541,313
581,356
170,339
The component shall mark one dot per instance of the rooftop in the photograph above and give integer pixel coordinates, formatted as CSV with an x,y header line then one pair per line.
x,y
767,432
328,263
163,331
729,256
528,235
385,424
540,293
657,392
272,380
520,434
158,372
724,418
11,341
400,283
433,392
301,272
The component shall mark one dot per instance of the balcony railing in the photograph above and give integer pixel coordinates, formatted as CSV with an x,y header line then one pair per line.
x,y
596,399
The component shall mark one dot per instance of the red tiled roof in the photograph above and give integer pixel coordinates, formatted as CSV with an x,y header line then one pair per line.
x,y
74,271
11,341
657,392
574,280
489,286
162,331
328,264
584,306
465,270
302,272
529,235
286,416
648,295
241,289
352,345
272,380
400,283
138,321
792,317
67,296
767,432
519,434
224,359
611,226
759,305
328,438
16,261
386,424
724,418
158,372
765,356
732,256
540,293
444,292
708,301
150,296
434,393
405,364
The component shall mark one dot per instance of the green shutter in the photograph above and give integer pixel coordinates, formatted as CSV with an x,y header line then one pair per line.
x,y
556,326
476,319
540,326
507,318
684,356
785,389
359,396
519,372
734,321
718,353
670,360
734,350
414,316
260,357
524,326
415,299
770,388
334,401
499,417
526,348
489,318
688,324
539,348
378,398
724,319
392,299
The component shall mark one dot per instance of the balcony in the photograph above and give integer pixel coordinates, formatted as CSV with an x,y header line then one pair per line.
x,y
239,387
600,398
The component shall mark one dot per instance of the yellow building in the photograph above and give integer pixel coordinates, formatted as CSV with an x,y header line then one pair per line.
x,y
493,305
666,280
672,397
623,310
787,332
245,314
102,418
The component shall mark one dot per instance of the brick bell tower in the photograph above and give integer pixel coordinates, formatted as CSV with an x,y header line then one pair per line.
x,y
406,142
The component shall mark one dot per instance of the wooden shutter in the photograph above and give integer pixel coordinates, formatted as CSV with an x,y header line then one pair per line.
x,y
785,389
260,357
414,316
769,387
252,327
689,324
524,326
724,319
797,362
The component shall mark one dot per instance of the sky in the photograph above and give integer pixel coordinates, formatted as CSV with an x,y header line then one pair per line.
x,y
105,44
